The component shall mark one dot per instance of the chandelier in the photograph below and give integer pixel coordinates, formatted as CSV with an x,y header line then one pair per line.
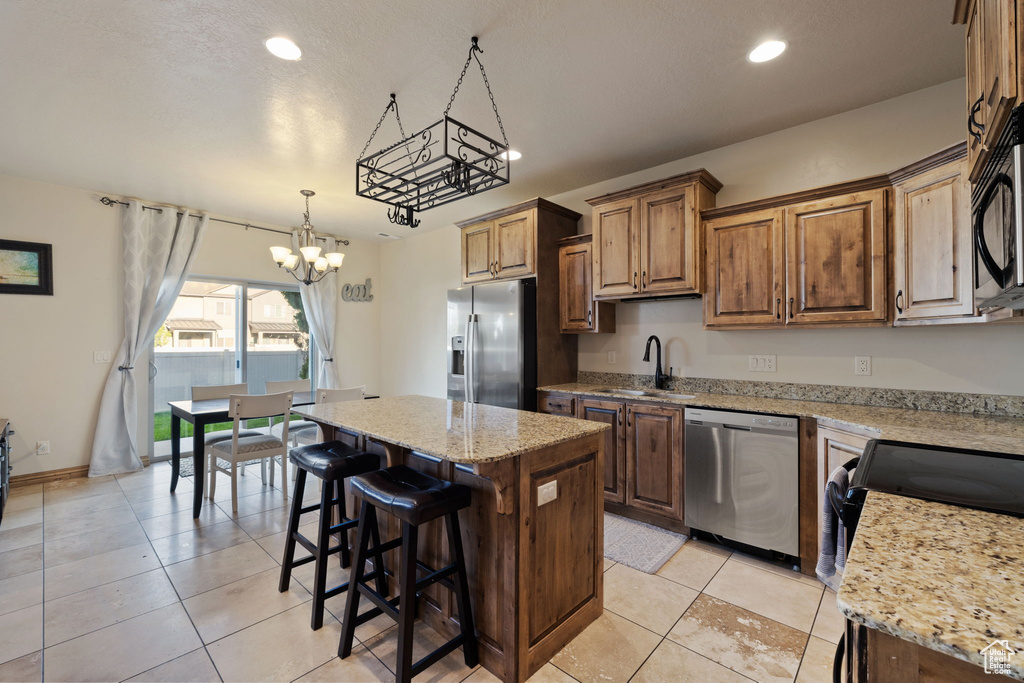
x,y
444,162
314,266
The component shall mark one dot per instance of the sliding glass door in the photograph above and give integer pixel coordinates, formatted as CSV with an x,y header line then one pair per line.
x,y
225,332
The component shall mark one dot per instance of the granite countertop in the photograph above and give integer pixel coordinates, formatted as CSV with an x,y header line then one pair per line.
x,y
946,577
460,432
954,430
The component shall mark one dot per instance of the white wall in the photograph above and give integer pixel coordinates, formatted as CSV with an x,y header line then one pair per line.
x,y
49,386
867,141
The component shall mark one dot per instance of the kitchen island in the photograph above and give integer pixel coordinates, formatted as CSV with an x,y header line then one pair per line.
x,y
535,568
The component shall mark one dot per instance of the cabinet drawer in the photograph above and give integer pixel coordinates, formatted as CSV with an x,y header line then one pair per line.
x,y
556,404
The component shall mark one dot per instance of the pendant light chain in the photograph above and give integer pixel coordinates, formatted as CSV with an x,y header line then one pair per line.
x,y
473,50
401,129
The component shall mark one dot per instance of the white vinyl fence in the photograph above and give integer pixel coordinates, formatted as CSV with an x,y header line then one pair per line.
x,y
177,371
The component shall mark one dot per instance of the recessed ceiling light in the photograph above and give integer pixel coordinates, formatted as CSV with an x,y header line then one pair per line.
x,y
283,48
511,155
767,50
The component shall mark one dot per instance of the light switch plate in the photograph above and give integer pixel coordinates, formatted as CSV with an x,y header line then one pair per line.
x,y
547,492
100,356
611,358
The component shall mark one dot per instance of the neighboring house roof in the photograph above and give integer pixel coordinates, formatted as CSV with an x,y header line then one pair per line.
x,y
192,324
273,327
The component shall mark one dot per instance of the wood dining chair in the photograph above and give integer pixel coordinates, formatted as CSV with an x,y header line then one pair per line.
x,y
330,396
216,391
261,446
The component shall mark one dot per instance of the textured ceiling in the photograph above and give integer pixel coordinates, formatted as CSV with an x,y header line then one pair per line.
x,y
178,101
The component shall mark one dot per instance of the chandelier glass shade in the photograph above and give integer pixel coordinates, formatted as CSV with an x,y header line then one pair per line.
x,y
309,265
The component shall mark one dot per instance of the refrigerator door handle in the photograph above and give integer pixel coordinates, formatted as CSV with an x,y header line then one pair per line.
x,y
471,322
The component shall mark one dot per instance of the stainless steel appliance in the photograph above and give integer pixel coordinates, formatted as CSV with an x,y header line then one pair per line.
x,y
492,344
976,479
742,478
5,465
998,207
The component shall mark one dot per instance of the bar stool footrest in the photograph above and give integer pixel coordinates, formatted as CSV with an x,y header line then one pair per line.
x,y
437,654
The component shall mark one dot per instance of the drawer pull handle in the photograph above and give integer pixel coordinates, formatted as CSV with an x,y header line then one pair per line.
x,y
791,308
899,301
778,309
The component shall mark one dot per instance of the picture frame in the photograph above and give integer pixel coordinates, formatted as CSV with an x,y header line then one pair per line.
x,y
26,267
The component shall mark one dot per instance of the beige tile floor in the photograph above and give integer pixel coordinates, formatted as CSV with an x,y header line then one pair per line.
x,y
110,579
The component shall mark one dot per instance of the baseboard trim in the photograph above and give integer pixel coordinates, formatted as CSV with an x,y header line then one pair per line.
x,y
77,472
19,480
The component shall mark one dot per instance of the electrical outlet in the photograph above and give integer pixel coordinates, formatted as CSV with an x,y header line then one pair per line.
x,y
764,363
862,365
547,492
101,356
769,363
611,358
42,447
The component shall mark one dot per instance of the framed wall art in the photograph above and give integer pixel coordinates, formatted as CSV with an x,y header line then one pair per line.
x,y
26,267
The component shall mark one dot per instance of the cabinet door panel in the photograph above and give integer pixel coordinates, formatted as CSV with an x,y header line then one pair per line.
x,y
654,459
975,90
668,242
835,261
610,413
835,448
514,245
575,287
744,269
477,253
933,245
999,60
616,249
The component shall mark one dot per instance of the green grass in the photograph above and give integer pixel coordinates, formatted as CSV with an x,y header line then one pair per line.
x,y
162,426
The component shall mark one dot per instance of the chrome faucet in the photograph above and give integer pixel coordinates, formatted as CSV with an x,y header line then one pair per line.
x,y
660,379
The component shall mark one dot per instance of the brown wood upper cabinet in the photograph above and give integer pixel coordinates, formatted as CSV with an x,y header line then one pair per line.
x,y
995,72
809,258
647,240
932,248
654,459
504,244
578,312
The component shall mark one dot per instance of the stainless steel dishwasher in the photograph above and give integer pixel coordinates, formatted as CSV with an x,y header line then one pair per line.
x,y
742,477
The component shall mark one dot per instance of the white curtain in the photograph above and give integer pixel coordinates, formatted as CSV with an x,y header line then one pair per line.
x,y
320,302
159,248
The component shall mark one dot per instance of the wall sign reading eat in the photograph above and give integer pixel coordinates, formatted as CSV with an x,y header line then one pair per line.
x,y
357,292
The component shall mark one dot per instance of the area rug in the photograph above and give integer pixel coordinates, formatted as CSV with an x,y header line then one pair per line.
x,y
641,546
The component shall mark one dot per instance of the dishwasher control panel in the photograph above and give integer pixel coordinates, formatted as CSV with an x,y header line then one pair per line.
x,y
735,420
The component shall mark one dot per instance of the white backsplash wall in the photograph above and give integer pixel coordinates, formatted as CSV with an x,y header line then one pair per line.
x,y
953,358
874,139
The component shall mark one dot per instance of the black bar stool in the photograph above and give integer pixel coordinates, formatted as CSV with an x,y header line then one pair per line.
x,y
415,499
331,462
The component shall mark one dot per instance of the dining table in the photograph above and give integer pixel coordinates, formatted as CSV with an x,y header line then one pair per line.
x,y
199,414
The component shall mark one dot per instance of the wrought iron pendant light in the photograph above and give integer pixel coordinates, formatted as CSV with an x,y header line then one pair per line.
x,y
445,162
312,267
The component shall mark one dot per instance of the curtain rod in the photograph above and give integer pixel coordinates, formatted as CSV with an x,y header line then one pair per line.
x,y
107,201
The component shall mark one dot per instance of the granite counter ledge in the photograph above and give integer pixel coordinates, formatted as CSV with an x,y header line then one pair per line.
x,y
945,577
535,571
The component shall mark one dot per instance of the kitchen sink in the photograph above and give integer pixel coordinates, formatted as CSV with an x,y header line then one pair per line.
x,y
635,392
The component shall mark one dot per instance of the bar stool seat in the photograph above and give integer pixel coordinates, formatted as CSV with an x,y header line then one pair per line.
x,y
332,462
415,499
410,495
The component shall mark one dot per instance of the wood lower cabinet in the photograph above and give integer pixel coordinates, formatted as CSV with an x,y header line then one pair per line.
x,y
835,448
647,239
810,258
835,259
654,459
933,263
745,269
577,309
611,413
556,404
888,659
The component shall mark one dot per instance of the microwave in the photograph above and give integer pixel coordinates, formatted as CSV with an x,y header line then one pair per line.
x,y
997,207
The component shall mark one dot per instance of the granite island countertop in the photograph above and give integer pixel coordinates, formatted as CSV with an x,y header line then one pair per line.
x,y
467,433
953,430
945,577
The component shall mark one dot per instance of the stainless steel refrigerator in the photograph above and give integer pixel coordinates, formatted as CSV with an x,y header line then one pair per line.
x,y
492,344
